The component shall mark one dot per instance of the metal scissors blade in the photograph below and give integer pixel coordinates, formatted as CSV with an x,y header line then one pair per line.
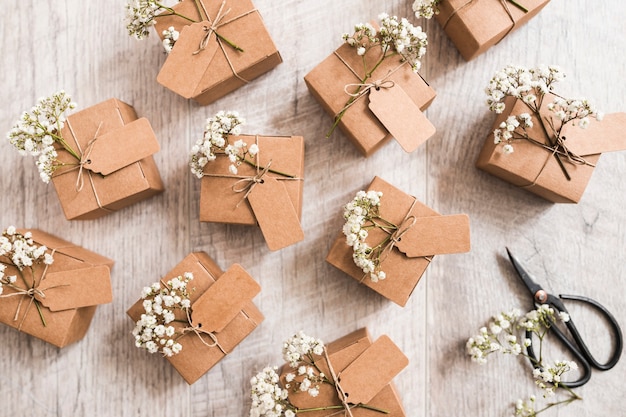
x,y
537,292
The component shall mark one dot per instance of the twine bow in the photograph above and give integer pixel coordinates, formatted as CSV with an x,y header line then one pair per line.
x,y
198,331
84,159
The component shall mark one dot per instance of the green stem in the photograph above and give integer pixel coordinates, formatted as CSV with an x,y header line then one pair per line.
x,y
43,320
230,43
274,171
518,5
173,12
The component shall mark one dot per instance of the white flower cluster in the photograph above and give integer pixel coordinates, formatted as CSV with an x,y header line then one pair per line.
x,y
301,347
140,16
537,321
215,140
268,398
488,340
5,280
407,40
153,330
525,408
426,8
170,36
364,35
549,377
359,215
531,85
36,132
21,250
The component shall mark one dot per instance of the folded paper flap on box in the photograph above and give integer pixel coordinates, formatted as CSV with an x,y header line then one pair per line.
x,y
120,148
65,290
275,213
450,8
400,115
436,235
224,299
607,135
188,82
371,371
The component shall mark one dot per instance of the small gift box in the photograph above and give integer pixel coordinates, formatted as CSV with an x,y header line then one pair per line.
x,y
250,179
543,167
476,25
390,238
352,376
196,315
54,294
222,46
116,167
371,107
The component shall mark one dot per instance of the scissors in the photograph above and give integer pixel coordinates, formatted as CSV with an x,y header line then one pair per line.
x,y
578,347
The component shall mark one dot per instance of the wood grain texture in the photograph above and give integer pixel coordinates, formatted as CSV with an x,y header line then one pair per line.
x,y
83,48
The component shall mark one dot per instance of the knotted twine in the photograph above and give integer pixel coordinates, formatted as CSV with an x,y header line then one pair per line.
x,y
504,5
199,331
216,23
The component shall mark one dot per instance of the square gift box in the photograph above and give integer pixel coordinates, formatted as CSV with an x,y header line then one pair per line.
x,y
392,110
365,370
64,294
429,234
118,168
536,169
476,25
203,66
221,310
254,196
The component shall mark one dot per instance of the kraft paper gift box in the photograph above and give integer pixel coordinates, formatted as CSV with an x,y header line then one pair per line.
x,y
209,71
392,110
536,169
221,306
476,25
273,201
118,168
405,262
67,292
365,370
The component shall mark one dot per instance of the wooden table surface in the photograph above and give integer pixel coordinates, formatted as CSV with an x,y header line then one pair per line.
x,y
83,47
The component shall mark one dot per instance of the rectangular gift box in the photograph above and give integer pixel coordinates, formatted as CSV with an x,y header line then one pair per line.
x,y
221,303
537,170
73,286
476,25
118,169
404,265
224,197
217,69
366,370
329,81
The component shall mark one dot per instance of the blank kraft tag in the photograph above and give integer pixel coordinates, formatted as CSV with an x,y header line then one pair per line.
x,y
77,288
219,304
372,370
183,70
436,235
275,214
122,147
400,116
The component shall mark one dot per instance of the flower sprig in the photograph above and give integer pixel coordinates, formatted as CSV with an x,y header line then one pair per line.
x,y
363,214
39,129
501,335
530,85
20,251
140,16
271,399
429,8
154,331
396,37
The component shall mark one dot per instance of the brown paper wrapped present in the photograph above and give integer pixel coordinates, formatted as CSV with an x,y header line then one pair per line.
x,y
203,66
256,196
117,167
222,314
535,167
422,234
364,371
389,105
56,303
476,25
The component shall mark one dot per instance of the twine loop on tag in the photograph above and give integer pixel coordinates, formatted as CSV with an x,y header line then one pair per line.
x,y
466,4
198,331
340,392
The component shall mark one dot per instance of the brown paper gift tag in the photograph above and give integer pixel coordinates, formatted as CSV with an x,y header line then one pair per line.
x,y
183,69
77,288
275,213
110,152
436,235
224,299
364,378
409,126
607,135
